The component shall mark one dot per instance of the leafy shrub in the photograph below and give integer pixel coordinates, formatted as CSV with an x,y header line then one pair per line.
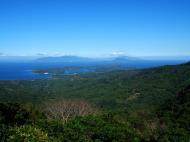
x,y
4,132
55,129
28,134
99,129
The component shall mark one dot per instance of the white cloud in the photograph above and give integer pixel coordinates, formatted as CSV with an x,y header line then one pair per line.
x,y
118,53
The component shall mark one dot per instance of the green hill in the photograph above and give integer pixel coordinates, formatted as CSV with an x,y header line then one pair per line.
x,y
132,105
116,89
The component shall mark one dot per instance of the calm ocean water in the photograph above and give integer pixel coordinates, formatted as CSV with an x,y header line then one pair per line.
x,y
19,71
23,71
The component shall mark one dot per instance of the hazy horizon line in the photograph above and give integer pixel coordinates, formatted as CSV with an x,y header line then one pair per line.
x,y
151,57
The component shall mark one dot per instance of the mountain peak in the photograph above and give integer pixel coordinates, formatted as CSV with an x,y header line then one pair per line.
x,y
64,59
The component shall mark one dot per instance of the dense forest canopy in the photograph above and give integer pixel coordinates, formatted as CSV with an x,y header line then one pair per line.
x,y
126,105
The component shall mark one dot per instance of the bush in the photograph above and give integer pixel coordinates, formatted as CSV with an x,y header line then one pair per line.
x,y
4,132
28,134
99,129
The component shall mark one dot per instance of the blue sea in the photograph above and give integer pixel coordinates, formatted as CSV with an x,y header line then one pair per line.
x,y
24,70
19,71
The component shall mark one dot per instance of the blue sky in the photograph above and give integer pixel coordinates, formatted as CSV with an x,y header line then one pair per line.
x,y
95,28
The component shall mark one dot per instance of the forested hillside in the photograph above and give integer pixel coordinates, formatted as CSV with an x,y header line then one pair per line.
x,y
134,105
175,115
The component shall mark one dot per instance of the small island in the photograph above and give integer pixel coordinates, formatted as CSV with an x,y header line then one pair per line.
x,y
41,71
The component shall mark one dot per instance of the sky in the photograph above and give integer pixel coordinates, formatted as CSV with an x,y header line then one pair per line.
x,y
95,28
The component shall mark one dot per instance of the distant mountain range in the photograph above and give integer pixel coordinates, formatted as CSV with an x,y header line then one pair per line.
x,y
85,59
132,62
66,59
126,58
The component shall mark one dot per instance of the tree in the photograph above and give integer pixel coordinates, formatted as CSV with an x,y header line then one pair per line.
x,y
64,110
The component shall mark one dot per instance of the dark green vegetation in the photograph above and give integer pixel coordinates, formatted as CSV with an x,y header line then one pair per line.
x,y
176,115
135,105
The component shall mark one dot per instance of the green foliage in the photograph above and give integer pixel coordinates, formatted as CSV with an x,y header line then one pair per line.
x,y
174,135
5,131
28,134
176,116
55,129
99,129
142,103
